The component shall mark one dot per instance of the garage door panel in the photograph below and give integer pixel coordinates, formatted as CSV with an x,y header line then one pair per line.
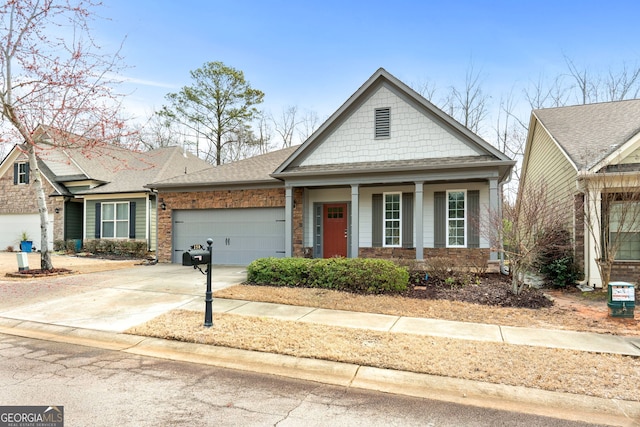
x,y
239,235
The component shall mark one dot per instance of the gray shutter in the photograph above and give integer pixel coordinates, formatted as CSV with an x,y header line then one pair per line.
x,y
407,220
440,219
15,174
26,173
98,220
132,220
473,220
376,220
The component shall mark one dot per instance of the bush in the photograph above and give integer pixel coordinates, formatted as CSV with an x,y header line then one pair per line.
x,y
359,275
124,248
555,261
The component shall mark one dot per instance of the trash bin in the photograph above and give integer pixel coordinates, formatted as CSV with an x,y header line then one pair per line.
x,y
23,261
621,299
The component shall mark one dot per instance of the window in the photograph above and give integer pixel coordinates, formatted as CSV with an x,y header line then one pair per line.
x,y
383,122
21,173
392,223
624,226
456,219
115,220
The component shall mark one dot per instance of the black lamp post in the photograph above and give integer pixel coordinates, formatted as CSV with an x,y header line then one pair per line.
x,y
208,299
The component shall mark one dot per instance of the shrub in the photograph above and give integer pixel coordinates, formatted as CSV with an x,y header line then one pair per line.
x,y
555,261
359,275
125,248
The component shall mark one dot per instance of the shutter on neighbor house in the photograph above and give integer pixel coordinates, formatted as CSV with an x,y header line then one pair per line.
x,y
407,220
26,173
132,220
440,219
15,174
98,220
473,222
376,220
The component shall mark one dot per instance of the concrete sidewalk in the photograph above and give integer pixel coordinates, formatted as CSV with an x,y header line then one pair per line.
x,y
106,304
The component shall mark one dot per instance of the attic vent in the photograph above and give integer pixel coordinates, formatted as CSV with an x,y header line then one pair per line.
x,y
383,122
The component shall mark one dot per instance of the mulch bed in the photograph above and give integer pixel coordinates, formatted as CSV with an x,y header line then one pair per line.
x,y
31,273
491,289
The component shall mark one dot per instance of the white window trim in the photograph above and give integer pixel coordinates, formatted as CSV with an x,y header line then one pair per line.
x,y
449,219
115,220
22,176
384,219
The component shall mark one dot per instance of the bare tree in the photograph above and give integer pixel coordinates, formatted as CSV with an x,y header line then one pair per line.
x,y
308,125
624,84
469,105
612,216
526,228
286,124
54,75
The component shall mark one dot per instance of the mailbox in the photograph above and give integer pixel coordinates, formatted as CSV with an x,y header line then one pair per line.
x,y
196,257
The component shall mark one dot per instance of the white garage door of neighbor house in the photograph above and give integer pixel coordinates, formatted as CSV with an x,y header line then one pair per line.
x,y
239,235
12,226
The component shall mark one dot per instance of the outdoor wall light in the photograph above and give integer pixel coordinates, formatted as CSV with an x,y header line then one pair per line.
x,y
57,210
163,206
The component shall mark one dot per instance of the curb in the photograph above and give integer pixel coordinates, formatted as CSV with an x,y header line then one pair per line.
x,y
559,405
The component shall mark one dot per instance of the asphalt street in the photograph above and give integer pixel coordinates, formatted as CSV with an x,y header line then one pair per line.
x,y
100,387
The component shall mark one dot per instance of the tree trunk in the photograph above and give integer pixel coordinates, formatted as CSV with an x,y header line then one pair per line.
x,y
45,255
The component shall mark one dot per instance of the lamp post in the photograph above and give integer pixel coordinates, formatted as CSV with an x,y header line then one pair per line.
x,y
208,299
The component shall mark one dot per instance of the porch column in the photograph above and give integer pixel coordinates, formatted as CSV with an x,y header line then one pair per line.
x,y
592,238
495,207
288,221
355,221
418,218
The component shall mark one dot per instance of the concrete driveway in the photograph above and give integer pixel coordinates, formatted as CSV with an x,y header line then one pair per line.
x,y
115,300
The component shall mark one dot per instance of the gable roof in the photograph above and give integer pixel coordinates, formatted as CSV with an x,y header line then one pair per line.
x,y
294,164
590,133
254,170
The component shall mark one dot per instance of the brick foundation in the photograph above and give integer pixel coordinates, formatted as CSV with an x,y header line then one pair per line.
x,y
460,257
626,271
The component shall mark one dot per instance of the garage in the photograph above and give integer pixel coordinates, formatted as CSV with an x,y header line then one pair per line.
x,y
12,226
239,235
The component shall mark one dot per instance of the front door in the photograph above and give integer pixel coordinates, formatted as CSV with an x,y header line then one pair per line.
x,y
335,230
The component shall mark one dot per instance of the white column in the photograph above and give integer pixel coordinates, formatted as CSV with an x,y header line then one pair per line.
x,y
355,220
288,221
495,209
592,237
418,220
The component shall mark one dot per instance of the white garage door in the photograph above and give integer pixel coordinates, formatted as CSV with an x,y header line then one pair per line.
x,y
12,226
239,235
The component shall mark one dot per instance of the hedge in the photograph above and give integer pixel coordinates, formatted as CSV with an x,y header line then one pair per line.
x,y
359,275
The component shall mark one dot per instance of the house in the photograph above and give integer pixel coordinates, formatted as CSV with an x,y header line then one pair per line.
x,y
567,146
387,175
93,193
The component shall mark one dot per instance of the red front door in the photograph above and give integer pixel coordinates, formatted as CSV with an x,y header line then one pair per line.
x,y
334,228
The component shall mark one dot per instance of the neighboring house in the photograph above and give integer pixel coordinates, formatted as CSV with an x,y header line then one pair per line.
x,y
567,144
387,175
93,193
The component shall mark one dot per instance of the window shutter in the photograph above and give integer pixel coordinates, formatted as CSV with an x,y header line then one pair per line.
x,y
98,220
473,220
132,220
376,220
407,220
15,174
26,173
383,122
440,219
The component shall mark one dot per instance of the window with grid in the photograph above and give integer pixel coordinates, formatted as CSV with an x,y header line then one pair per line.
x,y
456,219
392,220
383,122
115,220
23,173
624,227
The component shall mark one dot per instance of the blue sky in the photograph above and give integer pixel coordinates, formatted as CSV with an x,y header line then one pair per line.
x,y
316,54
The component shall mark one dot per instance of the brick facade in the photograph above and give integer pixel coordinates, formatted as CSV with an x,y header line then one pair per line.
x,y
21,199
223,199
460,257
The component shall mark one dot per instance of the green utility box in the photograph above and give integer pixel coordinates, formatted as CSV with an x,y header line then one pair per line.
x,y
621,299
